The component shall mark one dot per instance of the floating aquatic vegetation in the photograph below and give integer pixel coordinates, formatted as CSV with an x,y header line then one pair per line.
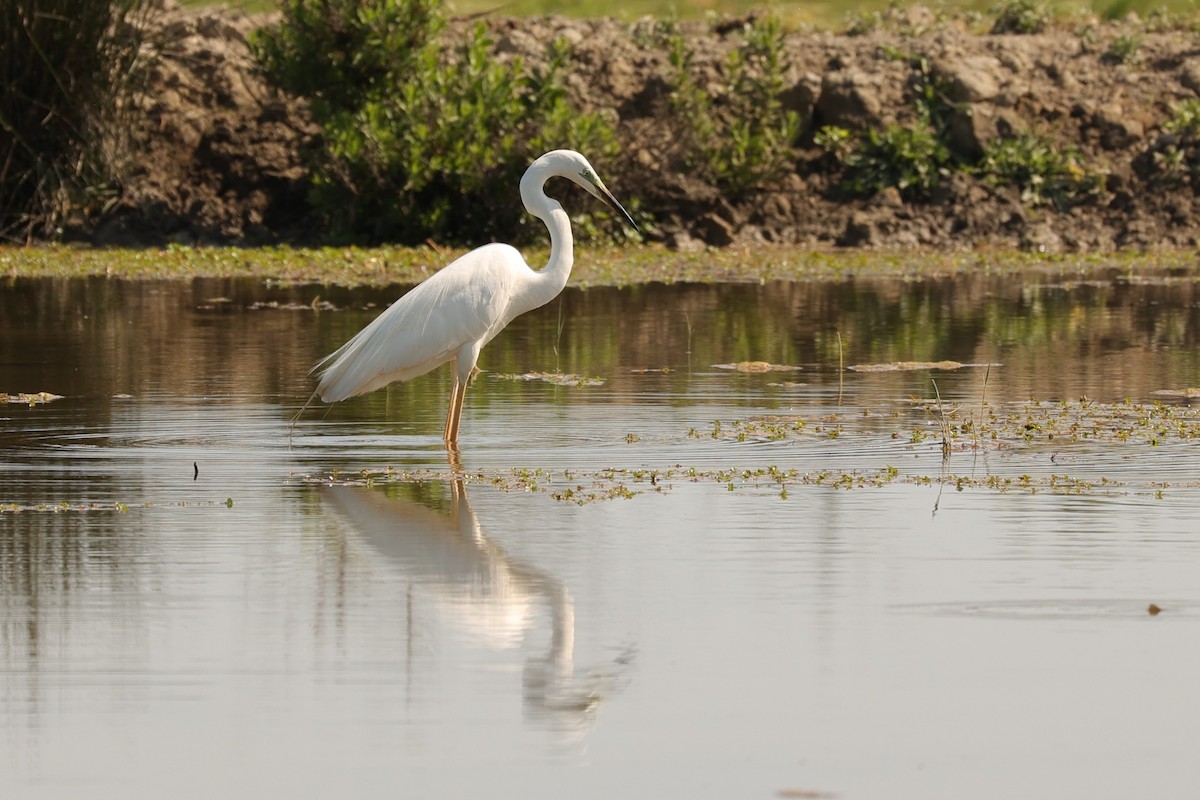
x,y
757,366
583,487
984,425
317,304
119,506
759,429
1191,393
30,398
907,366
1085,420
556,378
1046,430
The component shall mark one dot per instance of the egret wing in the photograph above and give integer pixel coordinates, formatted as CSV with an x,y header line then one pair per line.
x,y
464,302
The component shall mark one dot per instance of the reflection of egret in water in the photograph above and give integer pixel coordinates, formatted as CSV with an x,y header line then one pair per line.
x,y
479,588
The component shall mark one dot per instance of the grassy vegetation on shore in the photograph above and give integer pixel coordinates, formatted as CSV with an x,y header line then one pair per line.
x,y
824,14
608,266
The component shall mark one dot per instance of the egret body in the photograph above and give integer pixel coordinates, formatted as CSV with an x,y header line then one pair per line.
x,y
460,308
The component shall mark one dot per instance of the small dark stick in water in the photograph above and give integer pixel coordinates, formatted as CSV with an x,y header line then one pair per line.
x,y
195,470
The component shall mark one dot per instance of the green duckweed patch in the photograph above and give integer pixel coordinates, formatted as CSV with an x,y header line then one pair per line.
x,y
583,487
1078,421
986,425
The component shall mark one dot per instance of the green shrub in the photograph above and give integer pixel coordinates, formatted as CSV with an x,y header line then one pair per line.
x,y
67,72
911,158
1164,20
1123,49
1020,16
1186,121
743,138
1044,171
862,23
896,18
930,94
419,141
341,53
1177,159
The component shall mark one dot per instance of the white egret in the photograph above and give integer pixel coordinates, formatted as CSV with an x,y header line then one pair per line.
x,y
460,308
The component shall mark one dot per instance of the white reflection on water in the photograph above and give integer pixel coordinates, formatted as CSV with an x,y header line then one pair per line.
x,y
473,584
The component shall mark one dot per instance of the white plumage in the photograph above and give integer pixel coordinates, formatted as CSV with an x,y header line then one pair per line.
x,y
460,308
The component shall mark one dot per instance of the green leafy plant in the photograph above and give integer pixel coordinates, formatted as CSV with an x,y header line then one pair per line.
x,y
1177,158
420,142
1044,171
861,23
1123,49
897,18
836,141
1186,121
915,158
911,158
1020,16
742,138
68,73
1164,20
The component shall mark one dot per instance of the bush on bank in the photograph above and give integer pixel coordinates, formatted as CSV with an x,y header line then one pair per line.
x,y
419,140
67,71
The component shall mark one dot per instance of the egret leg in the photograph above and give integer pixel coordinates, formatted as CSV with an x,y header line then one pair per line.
x,y
454,416
464,370
450,410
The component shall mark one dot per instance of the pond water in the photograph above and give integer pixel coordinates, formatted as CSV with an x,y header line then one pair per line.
x,y
660,578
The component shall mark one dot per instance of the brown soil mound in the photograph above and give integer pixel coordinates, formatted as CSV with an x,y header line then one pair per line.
x,y
220,151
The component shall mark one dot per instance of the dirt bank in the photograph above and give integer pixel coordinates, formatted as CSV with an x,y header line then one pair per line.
x,y
220,152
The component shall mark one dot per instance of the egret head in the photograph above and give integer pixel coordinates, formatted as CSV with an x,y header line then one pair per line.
x,y
573,166
591,181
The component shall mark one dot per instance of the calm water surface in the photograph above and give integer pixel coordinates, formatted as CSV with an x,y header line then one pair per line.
x,y
199,600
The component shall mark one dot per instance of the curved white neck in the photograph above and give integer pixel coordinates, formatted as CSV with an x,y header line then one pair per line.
x,y
553,277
